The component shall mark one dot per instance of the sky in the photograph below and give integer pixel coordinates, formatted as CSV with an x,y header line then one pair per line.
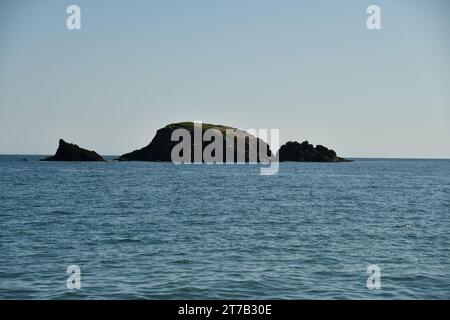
x,y
311,69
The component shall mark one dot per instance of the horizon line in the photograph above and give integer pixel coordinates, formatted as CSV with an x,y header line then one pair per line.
x,y
346,157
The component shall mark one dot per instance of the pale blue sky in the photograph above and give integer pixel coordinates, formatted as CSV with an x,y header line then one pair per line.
x,y
309,68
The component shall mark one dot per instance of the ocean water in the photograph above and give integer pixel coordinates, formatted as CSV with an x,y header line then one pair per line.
x,y
161,231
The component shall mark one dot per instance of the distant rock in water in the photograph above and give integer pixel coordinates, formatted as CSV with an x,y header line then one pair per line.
x,y
306,152
72,152
160,148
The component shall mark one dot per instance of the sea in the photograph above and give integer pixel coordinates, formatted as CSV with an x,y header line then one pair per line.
x,y
367,229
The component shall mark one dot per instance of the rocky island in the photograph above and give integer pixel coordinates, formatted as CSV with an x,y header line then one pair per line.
x,y
160,148
238,146
306,152
72,152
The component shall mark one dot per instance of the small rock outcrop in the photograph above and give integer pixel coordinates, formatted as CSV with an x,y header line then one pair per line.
x,y
160,148
306,152
72,152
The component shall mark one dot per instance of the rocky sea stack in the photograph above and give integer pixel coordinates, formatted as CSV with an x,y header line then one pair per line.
x,y
72,152
306,152
160,148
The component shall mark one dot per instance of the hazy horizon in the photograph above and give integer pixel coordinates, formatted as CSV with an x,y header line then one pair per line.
x,y
311,69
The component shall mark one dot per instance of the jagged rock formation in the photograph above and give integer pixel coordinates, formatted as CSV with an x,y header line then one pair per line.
x,y
160,148
306,152
72,152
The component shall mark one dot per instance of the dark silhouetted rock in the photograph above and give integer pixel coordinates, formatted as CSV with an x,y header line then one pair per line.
x,y
72,152
160,148
305,152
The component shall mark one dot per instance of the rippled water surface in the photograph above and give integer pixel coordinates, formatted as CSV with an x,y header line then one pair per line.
x,y
160,231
